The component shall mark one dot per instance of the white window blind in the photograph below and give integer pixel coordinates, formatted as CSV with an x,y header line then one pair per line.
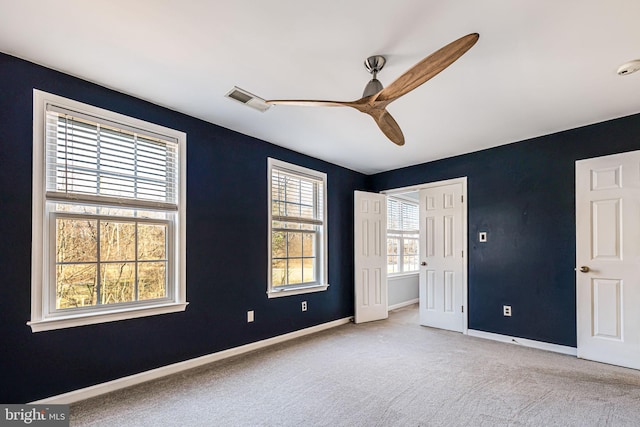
x,y
93,160
402,236
296,198
402,216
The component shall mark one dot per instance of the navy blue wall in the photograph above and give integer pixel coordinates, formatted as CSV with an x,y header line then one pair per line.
x,y
226,250
523,195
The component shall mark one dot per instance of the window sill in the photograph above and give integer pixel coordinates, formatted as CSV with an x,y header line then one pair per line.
x,y
296,291
71,321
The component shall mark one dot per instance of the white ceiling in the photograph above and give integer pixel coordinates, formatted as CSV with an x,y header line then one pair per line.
x,y
539,66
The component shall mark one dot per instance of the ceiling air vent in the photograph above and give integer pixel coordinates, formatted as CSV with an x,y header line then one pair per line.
x,y
248,99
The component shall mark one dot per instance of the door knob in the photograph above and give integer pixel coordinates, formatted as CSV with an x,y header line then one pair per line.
x,y
423,263
584,269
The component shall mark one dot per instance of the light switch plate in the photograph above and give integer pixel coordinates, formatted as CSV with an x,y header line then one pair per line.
x,y
482,236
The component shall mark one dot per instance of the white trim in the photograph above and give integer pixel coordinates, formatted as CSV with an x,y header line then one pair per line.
x,y
323,280
403,304
42,318
419,187
285,292
91,318
541,345
131,380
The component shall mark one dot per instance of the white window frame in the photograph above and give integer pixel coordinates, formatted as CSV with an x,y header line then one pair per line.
x,y
400,235
43,318
321,284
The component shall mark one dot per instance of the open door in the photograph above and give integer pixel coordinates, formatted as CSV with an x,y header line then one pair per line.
x,y
370,231
442,245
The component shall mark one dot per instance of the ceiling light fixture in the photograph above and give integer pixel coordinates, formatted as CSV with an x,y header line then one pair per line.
x,y
629,68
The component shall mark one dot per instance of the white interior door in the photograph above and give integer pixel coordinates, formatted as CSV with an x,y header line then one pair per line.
x,y
442,242
608,259
370,238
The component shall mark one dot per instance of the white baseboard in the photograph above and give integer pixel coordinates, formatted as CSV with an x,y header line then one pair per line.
x,y
120,383
404,304
571,351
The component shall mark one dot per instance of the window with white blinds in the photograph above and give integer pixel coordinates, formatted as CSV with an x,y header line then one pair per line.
x,y
94,160
108,216
402,236
297,229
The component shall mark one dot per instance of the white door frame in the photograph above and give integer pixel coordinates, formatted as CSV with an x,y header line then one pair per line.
x,y
465,266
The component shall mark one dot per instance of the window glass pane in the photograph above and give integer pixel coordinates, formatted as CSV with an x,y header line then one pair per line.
x,y
292,190
410,246
117,241
154,214
69,207
393,214
309,271
152,241
75,285
292,210
294,245
275,208
117,283
152,280
294,271
409,216
307,212
410,263
393,264
279,244
76,240
393,246
108,211
393,258
279,272
308,244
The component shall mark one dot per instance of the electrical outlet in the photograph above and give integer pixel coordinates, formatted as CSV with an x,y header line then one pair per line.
x,y
304,306
506,310
249,316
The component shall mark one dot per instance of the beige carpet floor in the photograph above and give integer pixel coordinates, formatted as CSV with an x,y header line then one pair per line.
x,y
386,373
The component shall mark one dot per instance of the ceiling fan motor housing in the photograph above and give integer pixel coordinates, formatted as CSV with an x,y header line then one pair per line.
x,y
373,64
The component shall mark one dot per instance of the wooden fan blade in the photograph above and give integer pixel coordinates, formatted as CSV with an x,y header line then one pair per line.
x,y
309,103
388,125
427,68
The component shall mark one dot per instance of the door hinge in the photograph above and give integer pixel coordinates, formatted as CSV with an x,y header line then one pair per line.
x,y
462,308
462,254
462,199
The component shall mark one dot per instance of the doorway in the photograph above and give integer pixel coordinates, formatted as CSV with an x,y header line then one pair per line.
x,y
442,281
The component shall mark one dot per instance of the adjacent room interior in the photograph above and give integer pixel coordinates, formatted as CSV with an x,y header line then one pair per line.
x,y
182,185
